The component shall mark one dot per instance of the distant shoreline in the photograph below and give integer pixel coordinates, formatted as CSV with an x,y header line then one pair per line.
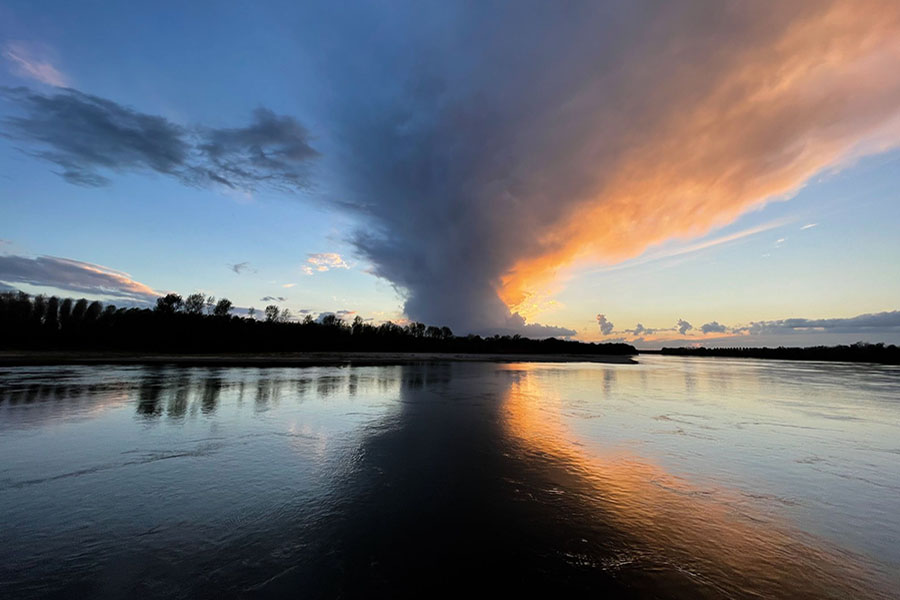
x,y
856,353
287,359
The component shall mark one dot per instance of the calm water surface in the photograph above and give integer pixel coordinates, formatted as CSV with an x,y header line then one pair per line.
x,y
674,478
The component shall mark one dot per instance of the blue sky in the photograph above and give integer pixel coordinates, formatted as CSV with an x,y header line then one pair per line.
x,y
495,168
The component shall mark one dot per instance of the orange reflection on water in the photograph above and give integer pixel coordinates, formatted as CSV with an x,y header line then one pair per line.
x,y
691,541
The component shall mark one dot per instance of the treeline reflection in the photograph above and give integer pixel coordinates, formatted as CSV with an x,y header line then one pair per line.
x,y
173,392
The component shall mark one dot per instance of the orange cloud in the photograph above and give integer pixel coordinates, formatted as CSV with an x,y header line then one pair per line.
x,y
806,87
73,275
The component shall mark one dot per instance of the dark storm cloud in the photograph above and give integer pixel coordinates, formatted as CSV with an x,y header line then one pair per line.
x,y
487,145
515,324
89,137
74,276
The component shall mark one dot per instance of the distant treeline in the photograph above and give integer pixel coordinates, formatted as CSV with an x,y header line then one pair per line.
x,y
858,352
201,324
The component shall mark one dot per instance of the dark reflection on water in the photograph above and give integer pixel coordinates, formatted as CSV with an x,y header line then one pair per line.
x,y
162,482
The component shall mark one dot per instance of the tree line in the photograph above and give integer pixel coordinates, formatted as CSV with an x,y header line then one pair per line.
x,y
858,352
197,323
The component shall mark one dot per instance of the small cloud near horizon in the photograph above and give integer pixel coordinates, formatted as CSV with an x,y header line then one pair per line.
x,y
606,327
882,325
320,262
713,327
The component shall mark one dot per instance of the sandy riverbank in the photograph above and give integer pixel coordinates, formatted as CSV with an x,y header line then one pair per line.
x,y
34,358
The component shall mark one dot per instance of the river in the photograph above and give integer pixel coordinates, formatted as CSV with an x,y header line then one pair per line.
x,y
676,477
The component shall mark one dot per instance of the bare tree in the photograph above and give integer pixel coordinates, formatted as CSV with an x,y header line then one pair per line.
x,y
272,313
332,320
193,304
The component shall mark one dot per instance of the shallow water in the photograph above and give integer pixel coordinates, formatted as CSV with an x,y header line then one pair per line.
x,y
673,478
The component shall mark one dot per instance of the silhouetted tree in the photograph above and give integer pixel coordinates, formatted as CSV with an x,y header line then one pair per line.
x,y
358,326
79,310
272,313
193,304
170,303
38,323
51,319
93,312
223,307
65,314
332,320
38,310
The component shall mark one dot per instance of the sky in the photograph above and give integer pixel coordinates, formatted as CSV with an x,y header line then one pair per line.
x,y
678,173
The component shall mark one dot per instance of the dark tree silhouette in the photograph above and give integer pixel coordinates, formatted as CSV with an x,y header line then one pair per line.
x,y
193,304
170,303
858,352
175,326
272,313
223,308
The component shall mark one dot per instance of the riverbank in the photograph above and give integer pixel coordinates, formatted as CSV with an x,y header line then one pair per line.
x,y
300,359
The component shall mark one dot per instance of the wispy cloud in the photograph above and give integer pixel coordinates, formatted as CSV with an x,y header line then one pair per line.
x,y
29,60
288,285
242,267
273,299
808,226
695,247
73,275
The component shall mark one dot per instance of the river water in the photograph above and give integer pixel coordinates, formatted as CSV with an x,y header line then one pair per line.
x,y
673,478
